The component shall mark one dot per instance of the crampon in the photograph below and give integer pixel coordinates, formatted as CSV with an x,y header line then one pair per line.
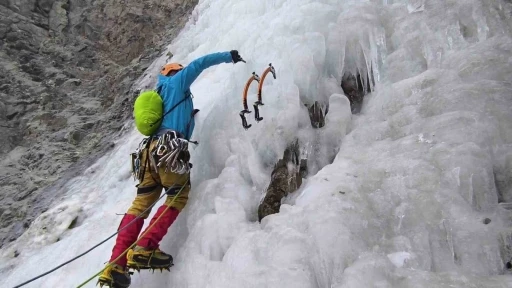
x,y
104,284
138,268
115,277
149,260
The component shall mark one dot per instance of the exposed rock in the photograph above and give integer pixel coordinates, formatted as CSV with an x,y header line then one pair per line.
x,y
286,178
58,19
505,241
503,177
3,111
303,168
69,85
355,90
317,115
59,80
74,137
25,193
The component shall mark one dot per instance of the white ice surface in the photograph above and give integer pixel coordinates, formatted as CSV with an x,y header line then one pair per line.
x,y
412,178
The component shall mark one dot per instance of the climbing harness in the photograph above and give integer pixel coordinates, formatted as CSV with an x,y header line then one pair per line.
x,y
259,102
171,152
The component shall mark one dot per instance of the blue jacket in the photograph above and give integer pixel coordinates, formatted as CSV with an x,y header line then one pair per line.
x,y
173,89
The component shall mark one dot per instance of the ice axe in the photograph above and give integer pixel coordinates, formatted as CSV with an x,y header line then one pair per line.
x,y
270,69
246,110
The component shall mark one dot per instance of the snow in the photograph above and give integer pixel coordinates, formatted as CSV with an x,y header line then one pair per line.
x,y
399,259
396,196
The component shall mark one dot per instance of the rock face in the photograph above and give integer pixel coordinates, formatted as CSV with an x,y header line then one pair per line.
x,y
285,178
355,90
317,115
288,172
66,74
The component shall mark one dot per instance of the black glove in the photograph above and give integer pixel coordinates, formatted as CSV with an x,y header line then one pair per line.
x,y
236,57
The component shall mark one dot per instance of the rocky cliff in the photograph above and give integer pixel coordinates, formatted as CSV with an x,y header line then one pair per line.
x,y
66,74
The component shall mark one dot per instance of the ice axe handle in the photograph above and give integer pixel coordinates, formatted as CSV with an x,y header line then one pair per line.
x,y
257,110
244,120
257,113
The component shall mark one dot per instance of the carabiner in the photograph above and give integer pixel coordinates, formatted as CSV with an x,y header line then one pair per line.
x,y
161,150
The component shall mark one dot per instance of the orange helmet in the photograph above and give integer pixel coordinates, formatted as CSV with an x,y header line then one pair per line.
x,y
168,68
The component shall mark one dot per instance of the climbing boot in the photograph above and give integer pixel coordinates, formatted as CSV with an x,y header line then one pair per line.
x,y
114,276
147,258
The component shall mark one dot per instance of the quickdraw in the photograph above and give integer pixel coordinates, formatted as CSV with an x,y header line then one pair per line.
x,y
137,156
259,102
172,152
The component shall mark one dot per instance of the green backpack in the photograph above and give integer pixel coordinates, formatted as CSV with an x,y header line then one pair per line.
x,y
148,112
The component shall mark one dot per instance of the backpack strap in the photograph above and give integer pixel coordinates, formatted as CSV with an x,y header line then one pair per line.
x,y
176,105
172,108
190,122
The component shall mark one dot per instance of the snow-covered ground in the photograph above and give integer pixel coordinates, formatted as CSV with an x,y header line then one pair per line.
x,y
418,190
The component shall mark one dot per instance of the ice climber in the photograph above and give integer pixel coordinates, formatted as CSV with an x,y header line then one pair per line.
x,y
167,167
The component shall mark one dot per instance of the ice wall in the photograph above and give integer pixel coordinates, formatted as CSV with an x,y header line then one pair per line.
x,y
414,191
